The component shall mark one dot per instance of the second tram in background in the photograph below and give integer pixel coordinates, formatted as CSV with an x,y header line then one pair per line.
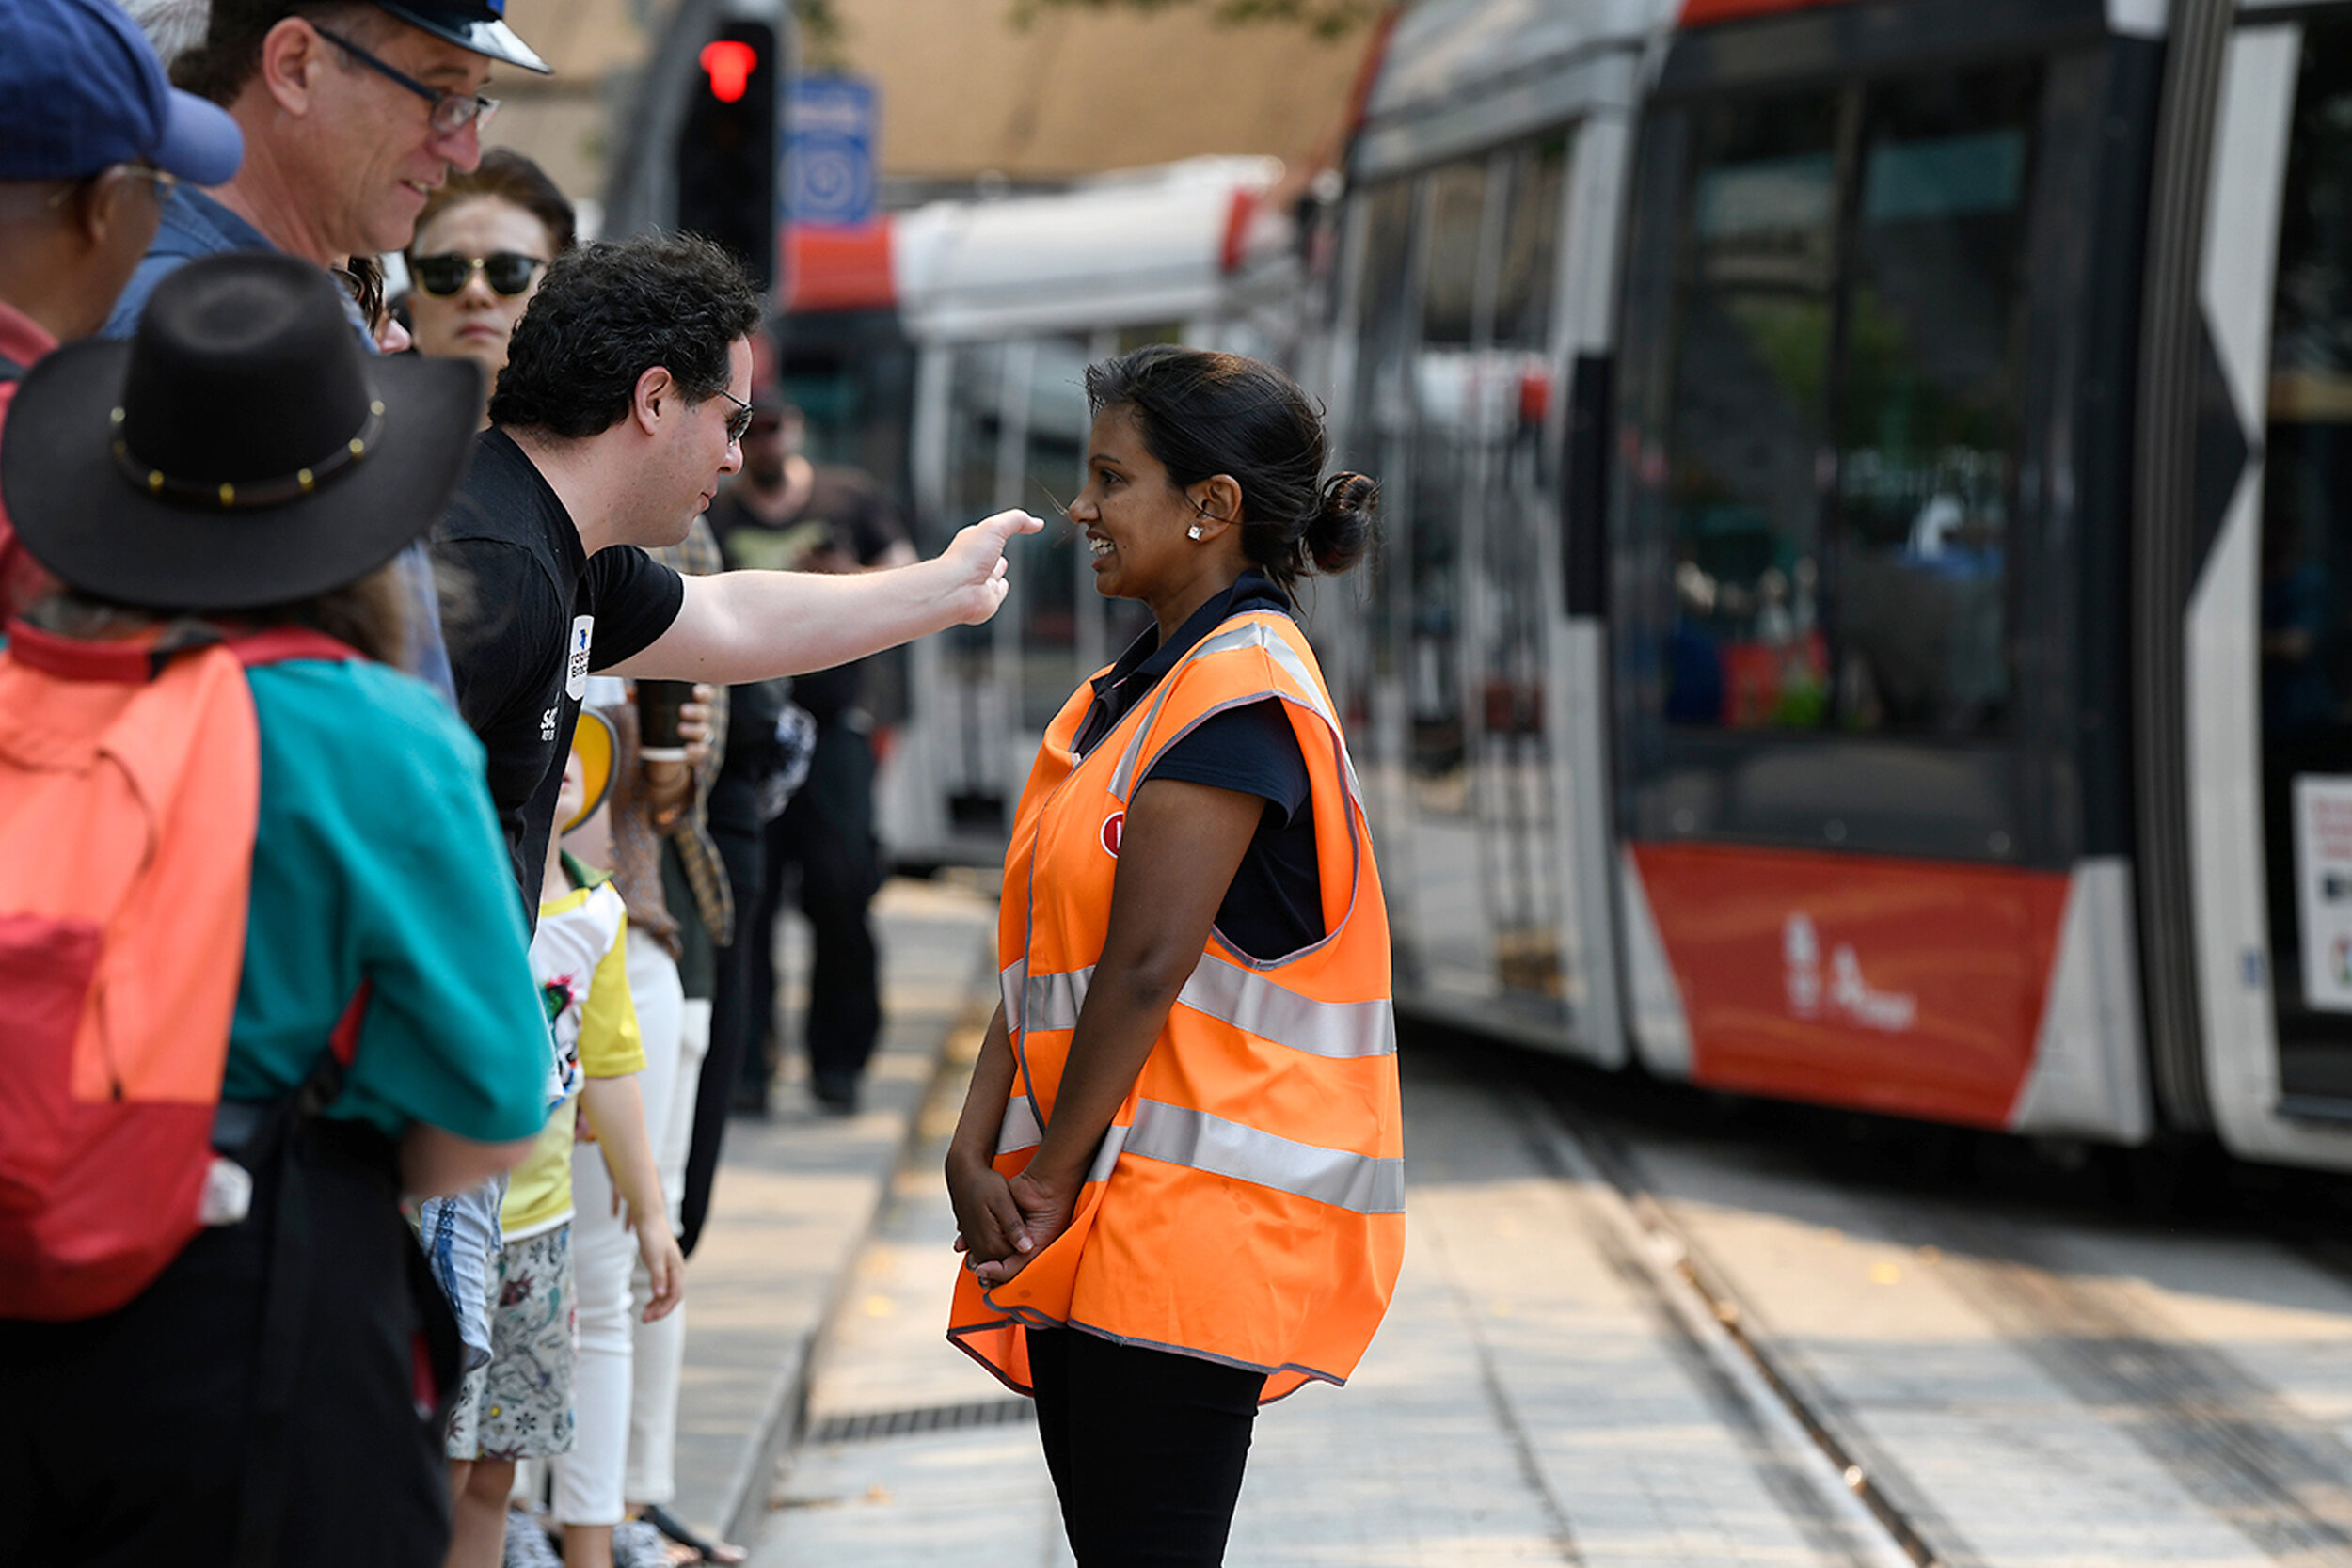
x,y
1866,608
946,348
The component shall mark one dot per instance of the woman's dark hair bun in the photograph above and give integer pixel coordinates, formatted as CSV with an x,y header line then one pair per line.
x,y
1342,529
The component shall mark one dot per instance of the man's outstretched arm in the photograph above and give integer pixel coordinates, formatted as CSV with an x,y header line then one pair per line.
x,y
741,626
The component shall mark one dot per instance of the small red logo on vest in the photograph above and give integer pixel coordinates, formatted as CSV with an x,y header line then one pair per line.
x,y
1112,826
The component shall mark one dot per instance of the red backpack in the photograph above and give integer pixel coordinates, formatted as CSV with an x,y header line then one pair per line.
x,y
130,786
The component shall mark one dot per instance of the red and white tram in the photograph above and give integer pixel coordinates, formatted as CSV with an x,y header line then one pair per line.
x,y
1866,608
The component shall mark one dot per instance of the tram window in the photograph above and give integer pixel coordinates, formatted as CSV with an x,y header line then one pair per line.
x,y
1928,390
1524,280
1751,365
1457,205
1845,391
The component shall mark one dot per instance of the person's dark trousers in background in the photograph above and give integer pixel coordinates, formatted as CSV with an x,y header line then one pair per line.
x,y
824,842
732,1036
1146,1448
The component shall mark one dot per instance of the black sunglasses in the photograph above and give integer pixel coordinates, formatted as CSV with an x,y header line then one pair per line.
x,y
509,272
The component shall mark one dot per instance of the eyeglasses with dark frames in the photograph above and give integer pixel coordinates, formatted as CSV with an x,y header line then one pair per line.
x,y
738,422
508,272
451,111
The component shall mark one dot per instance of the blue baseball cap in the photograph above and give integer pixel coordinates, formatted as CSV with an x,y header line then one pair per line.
x,y
81,90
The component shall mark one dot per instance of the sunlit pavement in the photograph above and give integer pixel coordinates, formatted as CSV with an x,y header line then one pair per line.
x,y
2019,1386
797,1195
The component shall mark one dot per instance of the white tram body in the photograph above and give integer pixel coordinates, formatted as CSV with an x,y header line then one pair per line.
x,y
1864,483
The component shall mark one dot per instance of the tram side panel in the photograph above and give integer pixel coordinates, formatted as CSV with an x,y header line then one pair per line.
x,y
1864,359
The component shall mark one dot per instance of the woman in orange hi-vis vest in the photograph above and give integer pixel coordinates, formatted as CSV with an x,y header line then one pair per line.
x,y
1179,1175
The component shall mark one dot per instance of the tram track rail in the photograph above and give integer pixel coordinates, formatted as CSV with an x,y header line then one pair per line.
x,y
1815,1476
2237,1447
2281,1478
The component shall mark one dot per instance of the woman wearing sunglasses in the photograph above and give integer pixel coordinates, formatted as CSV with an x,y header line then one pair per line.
x,y
483,243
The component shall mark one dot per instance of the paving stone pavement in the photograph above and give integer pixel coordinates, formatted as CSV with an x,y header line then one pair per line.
x,y
1519,1406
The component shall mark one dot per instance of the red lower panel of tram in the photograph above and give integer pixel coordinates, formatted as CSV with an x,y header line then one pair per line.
x,y
1903,986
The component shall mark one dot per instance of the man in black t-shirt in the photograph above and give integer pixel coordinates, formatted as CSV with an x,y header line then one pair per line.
x,y
615,422
787,513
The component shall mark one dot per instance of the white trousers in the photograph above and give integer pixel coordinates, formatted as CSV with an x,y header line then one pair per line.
x,y
661,1346
588,1478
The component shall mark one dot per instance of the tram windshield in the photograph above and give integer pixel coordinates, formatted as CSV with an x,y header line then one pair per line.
x,y
1843,438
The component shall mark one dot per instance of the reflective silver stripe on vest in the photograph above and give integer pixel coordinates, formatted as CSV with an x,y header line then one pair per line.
x,y
1052,1002
1020,1129
1012,985
1255,634
1195,1139
1247,1000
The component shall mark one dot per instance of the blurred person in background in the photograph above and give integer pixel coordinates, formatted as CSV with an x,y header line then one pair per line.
x,y
363,278
787,513
484,241
352,114
91,139
200,1424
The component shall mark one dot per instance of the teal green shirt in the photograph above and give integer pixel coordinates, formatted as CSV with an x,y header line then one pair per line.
x,y
376,855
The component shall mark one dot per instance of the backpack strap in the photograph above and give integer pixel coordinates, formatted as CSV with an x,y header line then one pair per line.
x,y
285,1135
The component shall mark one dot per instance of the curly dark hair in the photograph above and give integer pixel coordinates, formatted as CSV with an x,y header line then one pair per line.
x,y
607,313
1201,413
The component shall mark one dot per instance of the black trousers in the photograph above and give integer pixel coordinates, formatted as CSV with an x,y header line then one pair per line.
x,y
824,844
130,1440
1146,1448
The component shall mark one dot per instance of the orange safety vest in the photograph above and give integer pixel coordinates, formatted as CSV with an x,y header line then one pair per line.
x,y
1247,1203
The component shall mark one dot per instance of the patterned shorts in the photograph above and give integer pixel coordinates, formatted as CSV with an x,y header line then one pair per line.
x,y
520,1406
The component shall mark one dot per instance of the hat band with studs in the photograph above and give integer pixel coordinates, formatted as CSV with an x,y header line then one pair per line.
x,y
248,493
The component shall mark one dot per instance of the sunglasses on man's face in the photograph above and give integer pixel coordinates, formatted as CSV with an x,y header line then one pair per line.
x,y
509,272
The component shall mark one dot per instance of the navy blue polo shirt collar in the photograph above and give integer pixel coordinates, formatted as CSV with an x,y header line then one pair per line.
x,y
1147,659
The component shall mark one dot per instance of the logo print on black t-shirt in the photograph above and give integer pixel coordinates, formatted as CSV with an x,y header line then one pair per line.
x,y
575,662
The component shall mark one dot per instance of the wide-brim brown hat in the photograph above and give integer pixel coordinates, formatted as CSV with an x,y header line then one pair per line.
x,y
241,450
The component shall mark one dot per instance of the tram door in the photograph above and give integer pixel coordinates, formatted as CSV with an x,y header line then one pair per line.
x,y
1453,408
2271,614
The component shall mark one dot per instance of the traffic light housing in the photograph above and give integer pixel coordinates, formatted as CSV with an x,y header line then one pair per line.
x,y
727,151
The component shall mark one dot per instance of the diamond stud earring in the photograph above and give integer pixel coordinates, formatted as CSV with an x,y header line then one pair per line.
x,y
1193,532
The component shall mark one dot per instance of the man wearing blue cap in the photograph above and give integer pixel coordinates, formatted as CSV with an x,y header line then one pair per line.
x,y
352,113
91,141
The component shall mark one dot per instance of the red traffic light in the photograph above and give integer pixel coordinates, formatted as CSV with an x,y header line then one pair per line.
x,y
729,64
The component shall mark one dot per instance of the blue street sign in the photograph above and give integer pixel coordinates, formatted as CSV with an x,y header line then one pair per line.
x,y
830,153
